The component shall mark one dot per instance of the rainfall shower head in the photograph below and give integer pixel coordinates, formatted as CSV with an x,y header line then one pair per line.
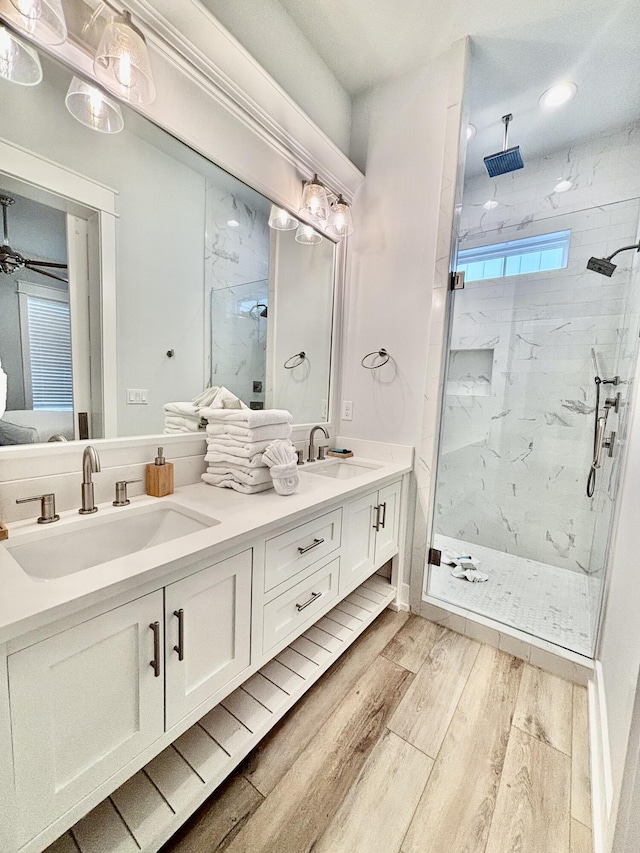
x,y
507,160
604,265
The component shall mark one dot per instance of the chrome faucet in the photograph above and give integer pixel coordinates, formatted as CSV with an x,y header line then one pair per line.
x,y
90,465
312,435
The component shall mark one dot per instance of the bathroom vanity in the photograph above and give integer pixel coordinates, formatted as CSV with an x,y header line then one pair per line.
x,y
134,686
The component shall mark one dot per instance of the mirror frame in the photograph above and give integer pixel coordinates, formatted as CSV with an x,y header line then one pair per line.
x,y
228,125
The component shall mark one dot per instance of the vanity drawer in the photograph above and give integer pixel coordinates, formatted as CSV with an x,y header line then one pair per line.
x,y
295,550
297,608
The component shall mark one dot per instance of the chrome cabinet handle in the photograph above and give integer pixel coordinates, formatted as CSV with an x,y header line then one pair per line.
x,y
384,514
376,523
314,544
155,663
179,614
314,596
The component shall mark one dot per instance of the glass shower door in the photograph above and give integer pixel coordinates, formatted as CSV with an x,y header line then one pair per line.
x,y
517,425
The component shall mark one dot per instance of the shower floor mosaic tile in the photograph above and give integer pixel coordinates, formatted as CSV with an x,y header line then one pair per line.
x,y
551,603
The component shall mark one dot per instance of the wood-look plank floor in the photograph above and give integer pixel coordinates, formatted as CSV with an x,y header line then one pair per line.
x,y
416,740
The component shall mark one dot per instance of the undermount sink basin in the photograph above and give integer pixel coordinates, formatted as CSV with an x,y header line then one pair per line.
x,y
74,547
341,470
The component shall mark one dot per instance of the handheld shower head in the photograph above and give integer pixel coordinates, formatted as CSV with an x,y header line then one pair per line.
x,y
604,265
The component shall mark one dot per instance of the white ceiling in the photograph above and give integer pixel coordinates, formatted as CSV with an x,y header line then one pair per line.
x,y
520,48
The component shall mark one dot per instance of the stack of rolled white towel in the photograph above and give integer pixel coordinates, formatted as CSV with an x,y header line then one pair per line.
x,y
187,417
236,442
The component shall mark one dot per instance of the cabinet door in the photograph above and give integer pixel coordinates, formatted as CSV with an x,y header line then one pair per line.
x,y
387,535
359,554
214,608
83,703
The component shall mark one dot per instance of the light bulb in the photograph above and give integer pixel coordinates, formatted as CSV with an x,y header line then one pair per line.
x,y
42,20
314,199
558,95
122,63
19,62
281,220
92,108
307,235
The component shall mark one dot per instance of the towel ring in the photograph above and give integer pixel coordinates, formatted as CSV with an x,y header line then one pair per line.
x,y
301,356
382,353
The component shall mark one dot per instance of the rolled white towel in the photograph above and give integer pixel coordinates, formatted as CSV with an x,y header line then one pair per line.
x,y
249,476
271,432
241,461
184,410
243,451
280,456
247,418
238,487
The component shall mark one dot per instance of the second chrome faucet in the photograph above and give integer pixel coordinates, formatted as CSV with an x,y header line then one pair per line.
x,y
90,465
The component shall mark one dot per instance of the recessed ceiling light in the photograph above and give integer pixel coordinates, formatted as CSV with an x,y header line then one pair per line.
x,y
558,95
491,204
233,223
471,131
562,187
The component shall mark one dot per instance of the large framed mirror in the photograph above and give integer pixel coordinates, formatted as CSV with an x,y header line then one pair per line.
x,y
169,279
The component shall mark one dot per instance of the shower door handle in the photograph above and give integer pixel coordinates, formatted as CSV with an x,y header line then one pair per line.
x,y
599,443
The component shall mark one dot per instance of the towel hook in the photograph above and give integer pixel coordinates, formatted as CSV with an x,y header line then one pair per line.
x,y
382,353
301,356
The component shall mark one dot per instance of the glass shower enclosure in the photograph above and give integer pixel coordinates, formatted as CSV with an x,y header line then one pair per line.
x,y
529,333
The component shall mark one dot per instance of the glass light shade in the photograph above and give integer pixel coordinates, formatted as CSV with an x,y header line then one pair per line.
x,y
341,222
122,62
41,20
281,220
307,235
314,199
93,108
19,62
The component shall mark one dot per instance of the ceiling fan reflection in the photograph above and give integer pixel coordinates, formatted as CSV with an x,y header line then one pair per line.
x,y
11,261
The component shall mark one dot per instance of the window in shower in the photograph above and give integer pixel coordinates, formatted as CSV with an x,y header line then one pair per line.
x,y
517,257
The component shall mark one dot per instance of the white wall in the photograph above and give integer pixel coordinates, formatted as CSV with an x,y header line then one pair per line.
x,y
399,132
265,29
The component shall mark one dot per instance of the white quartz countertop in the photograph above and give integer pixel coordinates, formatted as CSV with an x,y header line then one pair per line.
x,y
27,603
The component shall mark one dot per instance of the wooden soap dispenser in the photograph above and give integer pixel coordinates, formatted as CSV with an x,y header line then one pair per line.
x,y
160,476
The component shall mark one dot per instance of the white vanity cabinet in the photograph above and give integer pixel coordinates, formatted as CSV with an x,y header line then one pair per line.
x,y
83,703
371,535
208,633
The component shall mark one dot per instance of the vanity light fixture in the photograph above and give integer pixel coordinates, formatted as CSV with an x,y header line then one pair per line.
x,y
315,202
92,108
19,62
491,204
558,95
281,220
307,235
562,186
341,222
122,63
41,20
471,131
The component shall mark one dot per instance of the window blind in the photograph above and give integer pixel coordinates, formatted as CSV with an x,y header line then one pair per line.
x,y
50,354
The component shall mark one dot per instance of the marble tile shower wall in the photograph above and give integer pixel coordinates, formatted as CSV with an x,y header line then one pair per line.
x,y
236,274
514,461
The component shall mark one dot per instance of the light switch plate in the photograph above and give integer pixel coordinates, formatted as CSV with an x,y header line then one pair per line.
x,y
137,396
347,410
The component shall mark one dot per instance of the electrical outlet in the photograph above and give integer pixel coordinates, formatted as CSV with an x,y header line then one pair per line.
x,y
137,396
347,410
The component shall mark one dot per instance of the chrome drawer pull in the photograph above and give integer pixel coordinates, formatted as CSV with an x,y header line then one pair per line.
x,y
314,596
384,514
179,614
155,663
314,544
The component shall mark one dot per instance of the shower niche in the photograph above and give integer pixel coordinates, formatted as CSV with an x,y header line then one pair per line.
x,y
470,372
